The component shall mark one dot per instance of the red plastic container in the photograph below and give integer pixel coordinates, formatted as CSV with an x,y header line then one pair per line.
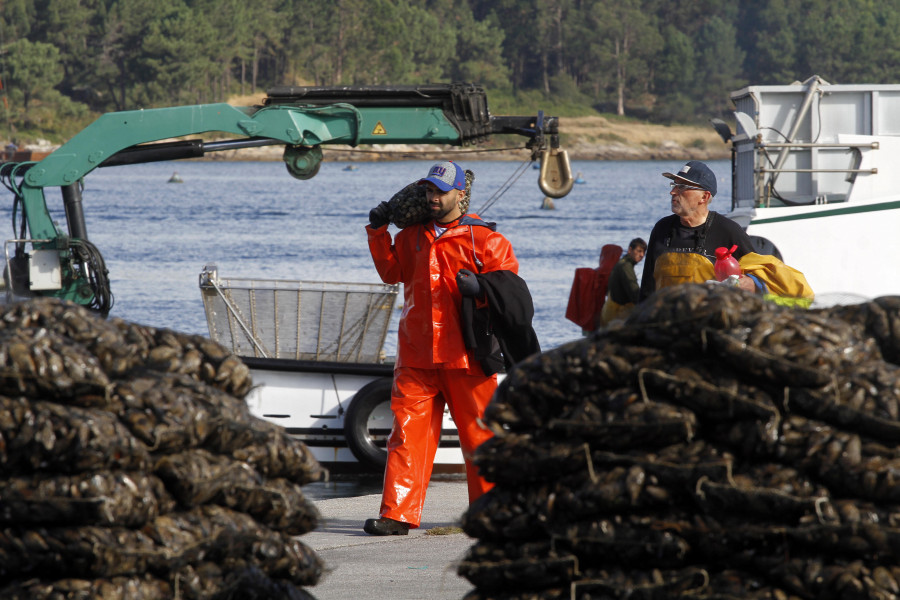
x,y
726,264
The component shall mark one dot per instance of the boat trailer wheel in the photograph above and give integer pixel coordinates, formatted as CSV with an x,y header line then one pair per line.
x,y
368,419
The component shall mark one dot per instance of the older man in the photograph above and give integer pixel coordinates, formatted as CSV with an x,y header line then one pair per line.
x,y
682,246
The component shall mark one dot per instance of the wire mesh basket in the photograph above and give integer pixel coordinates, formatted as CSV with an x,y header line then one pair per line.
x,y
301,320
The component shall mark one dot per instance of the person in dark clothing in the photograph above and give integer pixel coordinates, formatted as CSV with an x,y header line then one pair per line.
x,y
693,231
623,291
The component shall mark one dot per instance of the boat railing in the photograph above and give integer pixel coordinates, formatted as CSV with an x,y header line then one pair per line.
x,y
798,145
813,142
766,173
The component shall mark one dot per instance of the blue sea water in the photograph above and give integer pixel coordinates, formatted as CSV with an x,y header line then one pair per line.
x,y
252,219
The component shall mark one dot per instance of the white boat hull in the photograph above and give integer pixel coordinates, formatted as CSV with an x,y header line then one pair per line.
x,y
315,406
839,248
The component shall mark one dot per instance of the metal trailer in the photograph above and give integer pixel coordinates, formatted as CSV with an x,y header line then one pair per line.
x,y
315,350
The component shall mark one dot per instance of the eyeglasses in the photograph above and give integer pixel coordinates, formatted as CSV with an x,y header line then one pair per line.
x,y
680,187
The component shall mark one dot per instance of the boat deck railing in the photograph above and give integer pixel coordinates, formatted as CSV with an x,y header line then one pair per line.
x,y
766,173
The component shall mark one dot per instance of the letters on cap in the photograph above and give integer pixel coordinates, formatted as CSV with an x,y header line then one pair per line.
x,y
446,176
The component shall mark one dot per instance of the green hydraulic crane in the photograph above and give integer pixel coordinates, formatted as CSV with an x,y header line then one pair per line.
x,y
302,119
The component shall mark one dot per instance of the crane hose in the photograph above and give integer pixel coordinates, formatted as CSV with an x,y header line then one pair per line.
x,y
95,272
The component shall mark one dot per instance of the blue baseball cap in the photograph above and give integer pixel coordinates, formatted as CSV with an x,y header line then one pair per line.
x,y
446,176
697,174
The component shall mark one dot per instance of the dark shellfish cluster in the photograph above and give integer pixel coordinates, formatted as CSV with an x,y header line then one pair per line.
x,y
714,446
408,206
130,467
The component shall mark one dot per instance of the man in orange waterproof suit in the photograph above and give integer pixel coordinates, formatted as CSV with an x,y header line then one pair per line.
x,y
436,261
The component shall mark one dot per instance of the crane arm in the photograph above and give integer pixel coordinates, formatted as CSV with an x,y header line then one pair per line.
x,y
302,119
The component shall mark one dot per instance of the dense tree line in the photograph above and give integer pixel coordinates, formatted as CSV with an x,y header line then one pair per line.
x,y
666,60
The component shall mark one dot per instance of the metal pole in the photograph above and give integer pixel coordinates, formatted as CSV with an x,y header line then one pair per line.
x,y
873,171
804,108
804,145
74,211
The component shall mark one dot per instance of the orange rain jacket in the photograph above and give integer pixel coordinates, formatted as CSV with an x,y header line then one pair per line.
x,y
429,331
431,353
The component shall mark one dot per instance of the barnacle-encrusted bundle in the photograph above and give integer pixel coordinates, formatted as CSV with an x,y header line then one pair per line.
x,y
714,446
408,206
464,203
131,467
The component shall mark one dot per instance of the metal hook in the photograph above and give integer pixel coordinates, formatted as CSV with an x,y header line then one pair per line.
x,y
556,178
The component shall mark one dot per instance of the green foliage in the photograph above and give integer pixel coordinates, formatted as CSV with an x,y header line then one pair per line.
x,y
479,53
774,40
509,102
32,68
718,66
629,39
675,76
674,108
666,60
16,19
512,102
53,117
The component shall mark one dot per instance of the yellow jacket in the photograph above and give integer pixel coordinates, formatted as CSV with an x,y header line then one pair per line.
x,y
785,285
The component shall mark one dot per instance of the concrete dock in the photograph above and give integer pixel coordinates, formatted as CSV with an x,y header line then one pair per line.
x,y
418,566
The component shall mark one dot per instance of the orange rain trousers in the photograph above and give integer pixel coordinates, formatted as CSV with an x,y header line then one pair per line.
x,y
417,401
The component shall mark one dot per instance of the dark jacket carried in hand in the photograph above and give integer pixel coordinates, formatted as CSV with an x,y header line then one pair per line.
x,y
504,325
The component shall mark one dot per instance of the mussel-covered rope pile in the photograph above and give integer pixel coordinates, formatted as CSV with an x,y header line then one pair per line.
x,y
713,447
131,468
